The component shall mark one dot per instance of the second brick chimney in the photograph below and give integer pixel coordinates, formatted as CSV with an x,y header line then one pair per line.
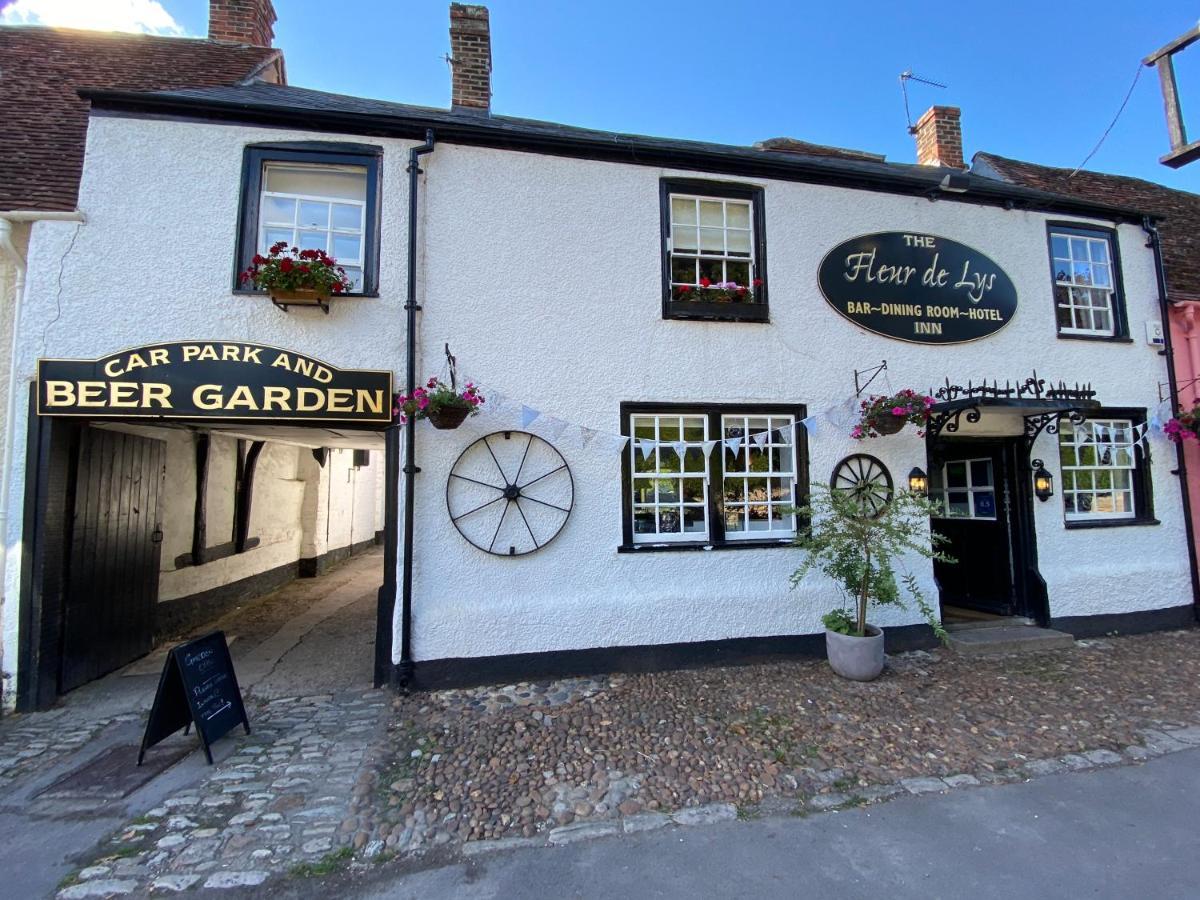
x,y
241,22
470,58
939,137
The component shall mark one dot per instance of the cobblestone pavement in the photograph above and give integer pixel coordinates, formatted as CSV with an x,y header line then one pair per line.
x,y
348,781
279,802
586,757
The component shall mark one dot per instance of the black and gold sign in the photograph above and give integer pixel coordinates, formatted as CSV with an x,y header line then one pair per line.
x,y
207,380
917,287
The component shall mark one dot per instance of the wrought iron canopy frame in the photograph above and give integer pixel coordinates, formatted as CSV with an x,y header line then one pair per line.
x,y
1041,414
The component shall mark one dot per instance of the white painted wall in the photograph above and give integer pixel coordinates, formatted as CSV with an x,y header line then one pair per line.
x,y
543,274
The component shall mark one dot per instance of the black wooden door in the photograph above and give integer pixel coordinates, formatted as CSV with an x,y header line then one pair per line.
x,y
112,575
970,479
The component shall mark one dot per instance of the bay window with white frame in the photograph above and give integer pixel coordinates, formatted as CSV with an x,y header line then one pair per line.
x,y
318,199
710,476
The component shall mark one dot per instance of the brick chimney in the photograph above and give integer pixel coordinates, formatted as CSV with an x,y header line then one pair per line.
x,y
470,59
939,137
241,22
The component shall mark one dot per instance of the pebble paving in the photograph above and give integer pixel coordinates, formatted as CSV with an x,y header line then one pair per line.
x,y
523,762
359,778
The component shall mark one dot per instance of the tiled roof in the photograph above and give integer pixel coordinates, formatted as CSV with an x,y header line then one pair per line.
x,y
1179,211
43,121
320,111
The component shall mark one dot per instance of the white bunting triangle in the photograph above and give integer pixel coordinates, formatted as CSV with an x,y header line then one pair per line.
x,y
760,438
585,436
708,446
645,447
733,444
528,414
552,428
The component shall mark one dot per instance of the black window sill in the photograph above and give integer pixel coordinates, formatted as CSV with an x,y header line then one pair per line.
x,y
717,312
1115,339
1110,523
728,545
368,295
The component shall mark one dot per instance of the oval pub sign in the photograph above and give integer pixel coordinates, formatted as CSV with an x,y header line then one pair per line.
x,y
917,287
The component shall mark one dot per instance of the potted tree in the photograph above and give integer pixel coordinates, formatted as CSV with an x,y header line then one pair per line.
x,y
860,553
442,404
884,414
295,277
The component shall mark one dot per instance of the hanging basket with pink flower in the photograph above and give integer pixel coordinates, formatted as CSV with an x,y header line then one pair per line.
x,y
885,414
442,404
295,277
1184,426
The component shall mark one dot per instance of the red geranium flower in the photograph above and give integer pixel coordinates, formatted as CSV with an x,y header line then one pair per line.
x,y
704,282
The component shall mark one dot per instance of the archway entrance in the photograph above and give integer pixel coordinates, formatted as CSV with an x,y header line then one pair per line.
x,y
169,484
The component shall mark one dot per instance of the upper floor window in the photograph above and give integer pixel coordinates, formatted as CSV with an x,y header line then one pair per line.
x,y
714,262
1105,472
1087,294
314,196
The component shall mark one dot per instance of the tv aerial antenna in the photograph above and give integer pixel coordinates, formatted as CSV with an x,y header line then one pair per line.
x,y
905,77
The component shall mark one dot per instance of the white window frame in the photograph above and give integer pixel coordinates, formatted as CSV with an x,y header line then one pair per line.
x,y
264,245
700,254
745,475
1086,289
1068,438
667,537
971,489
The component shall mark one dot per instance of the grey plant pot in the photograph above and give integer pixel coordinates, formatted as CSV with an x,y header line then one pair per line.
x,y
856,658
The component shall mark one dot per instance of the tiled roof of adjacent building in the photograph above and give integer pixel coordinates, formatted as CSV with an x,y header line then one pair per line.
x,y
43,120
1178,211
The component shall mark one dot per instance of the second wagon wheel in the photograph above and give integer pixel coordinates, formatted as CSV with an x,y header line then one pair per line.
x,y
866,479
510,493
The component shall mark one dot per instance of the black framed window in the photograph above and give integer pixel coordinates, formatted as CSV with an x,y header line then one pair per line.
x,y
1089,302
1105,470
712,475
714,262
316,196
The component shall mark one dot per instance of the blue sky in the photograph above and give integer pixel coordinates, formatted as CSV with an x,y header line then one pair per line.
x,y
1035,80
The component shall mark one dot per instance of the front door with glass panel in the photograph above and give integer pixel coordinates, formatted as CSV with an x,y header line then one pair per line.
x,y
969,481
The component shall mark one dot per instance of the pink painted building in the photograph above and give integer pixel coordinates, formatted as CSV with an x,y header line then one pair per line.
x,y
1176,220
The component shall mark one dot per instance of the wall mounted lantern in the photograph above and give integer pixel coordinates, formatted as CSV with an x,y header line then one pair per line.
x,y
918,481
1043,481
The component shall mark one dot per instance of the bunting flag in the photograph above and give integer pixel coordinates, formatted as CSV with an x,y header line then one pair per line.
x,y
760,438
585,436
645,446
528,415
551,427
810,424
612,443
733,444
708,446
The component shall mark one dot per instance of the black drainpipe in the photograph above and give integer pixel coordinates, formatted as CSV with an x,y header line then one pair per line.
x,y
404,669
1155,242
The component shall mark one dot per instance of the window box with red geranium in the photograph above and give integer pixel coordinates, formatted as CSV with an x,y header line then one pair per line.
x,y
295,277
714,255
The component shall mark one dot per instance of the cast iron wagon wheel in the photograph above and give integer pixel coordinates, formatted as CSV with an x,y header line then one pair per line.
x,y
866,479
510,493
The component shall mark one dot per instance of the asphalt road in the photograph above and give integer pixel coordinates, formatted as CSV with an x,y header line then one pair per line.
x,y
1124,832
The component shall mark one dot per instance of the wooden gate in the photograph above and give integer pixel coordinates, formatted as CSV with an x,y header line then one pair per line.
x,y
112,577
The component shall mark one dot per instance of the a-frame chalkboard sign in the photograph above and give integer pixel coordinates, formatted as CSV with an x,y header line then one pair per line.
x,y
198,685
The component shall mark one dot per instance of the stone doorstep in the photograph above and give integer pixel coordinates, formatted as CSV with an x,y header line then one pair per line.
x,y
1008,639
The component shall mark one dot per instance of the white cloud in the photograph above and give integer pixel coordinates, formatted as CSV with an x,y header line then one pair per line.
x,y
139,16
